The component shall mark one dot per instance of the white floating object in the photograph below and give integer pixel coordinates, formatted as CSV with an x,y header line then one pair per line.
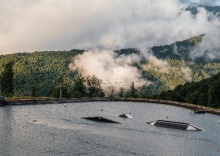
x,y
128,115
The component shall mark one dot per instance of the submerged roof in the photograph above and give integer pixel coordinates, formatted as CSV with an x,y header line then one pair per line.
x,y
100,119
175,125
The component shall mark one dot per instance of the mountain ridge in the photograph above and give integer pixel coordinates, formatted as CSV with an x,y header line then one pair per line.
x,y
42,69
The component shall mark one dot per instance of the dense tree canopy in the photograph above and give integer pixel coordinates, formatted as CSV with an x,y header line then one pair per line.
x,y
7,85
205,92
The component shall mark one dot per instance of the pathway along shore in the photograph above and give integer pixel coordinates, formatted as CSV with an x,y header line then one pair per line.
x,y
30,101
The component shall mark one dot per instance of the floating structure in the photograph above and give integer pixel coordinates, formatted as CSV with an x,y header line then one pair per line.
x,y
175,125
101,119
128,115
199,111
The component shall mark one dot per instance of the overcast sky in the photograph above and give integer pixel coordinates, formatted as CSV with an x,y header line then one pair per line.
x,y
36,25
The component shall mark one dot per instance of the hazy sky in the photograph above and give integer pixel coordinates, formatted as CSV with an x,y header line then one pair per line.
x,y
36,25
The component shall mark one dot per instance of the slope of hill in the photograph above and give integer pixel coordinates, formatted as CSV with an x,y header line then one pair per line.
x,y
39,69
177,50
205,92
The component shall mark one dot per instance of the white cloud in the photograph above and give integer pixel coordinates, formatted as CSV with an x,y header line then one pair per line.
x,y
28,25
112,69
210,45
163,67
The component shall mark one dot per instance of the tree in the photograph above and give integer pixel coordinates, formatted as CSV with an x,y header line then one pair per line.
x,y
7,83
79,87
121,92
133,92
111,91
214,94
60,88
203,99
94,87
33,91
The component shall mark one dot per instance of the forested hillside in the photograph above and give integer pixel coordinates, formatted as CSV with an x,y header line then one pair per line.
x,y
42,72
177,50
39,70
205,92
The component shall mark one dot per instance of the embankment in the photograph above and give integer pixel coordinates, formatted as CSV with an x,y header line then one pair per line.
x,y
174,103
30,101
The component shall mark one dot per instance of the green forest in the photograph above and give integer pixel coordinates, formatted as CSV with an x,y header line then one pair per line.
x,y
39,70
205,92
44,73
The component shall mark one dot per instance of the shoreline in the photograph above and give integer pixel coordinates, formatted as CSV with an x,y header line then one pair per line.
x,y
40,101
174,103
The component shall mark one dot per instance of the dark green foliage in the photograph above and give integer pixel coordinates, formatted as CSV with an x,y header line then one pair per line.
x,y
34,91
39,69
127,51
205,92
77,94
132,92
169,95
121,92
203,99
89,86
60,88
79,87
94,87
7,80
214,93
177,50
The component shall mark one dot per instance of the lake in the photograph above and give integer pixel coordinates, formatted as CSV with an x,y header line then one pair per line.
x,y
59,129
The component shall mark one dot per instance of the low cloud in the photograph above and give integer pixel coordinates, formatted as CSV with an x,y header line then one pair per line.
x,y
210,45
163,67
119,70
113,70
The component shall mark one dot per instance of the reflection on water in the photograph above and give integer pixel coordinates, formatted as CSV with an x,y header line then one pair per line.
x,y
6,130
60,130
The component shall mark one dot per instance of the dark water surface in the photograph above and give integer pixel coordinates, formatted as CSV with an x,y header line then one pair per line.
x,y
58,129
